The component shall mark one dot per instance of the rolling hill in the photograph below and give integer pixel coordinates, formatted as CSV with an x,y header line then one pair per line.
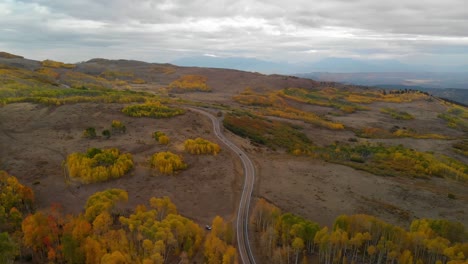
x,y
321,150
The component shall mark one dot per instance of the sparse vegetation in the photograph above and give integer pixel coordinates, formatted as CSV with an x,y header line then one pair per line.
x,y
272,104
116,75
461,147
395,114
42,86
201,146
249,97
456,117
329,97
89,132
395,132
394,161
292,113
118,127
155,110
98,165
167,162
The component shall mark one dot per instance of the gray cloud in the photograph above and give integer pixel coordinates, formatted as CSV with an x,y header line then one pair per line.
x,y
294,30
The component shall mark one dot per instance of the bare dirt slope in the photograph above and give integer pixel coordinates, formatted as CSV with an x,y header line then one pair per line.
x,y
322,191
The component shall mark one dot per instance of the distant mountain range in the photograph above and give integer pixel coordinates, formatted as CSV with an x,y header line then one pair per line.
x,y
448,82
422,79
331,65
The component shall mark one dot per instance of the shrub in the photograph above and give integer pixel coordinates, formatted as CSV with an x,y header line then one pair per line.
x,y
395,114
106,133
161,137
118,126
167,162
89,132
201,146
98,165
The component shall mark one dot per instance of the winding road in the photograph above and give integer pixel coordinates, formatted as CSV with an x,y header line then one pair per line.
x,y
242,221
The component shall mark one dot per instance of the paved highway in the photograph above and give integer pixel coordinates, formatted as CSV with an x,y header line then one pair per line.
x,y
242,221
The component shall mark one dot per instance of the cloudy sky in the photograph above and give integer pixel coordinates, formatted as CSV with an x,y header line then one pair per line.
x,y
411,31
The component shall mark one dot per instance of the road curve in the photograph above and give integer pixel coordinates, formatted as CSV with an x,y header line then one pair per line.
x,y
242,221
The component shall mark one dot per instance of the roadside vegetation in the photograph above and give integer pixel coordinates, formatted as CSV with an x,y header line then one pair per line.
x,y
288,238
274,134
219,243
379,159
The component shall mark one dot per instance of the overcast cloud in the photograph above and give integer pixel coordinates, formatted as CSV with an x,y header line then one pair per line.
x,y
416,31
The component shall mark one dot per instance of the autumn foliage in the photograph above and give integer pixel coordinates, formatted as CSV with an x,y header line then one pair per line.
x,y
98,165
167,162
161,137
219,243
357,239
201,146
14,195
118,127
154,109
395,161
275,104
266,132
57,64
190,83
104,234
